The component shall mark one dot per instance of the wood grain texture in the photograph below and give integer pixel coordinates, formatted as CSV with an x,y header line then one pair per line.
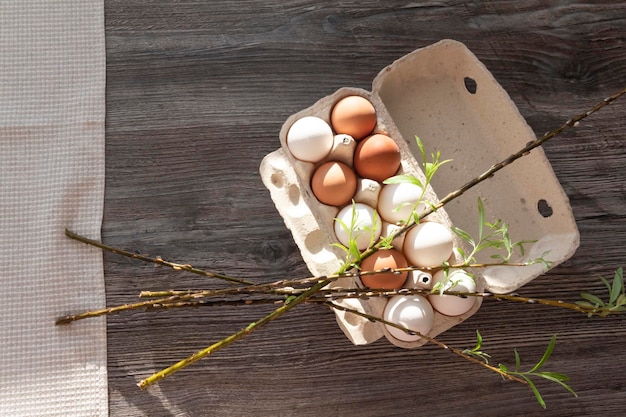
x,y
196,94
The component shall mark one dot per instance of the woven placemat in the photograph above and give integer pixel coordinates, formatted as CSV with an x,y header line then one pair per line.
x,y
52,107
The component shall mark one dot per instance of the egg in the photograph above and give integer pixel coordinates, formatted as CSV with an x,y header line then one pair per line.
x,y
413,312
397,201
384,258
310,139
428,244
453,305
359,222
377,157
354,116
333,183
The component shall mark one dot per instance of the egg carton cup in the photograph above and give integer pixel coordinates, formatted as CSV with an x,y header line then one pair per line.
x,y
445,95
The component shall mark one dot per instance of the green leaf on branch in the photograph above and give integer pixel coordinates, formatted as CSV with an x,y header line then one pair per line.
x,y
404,179
535,372
617,297
475,351
494,235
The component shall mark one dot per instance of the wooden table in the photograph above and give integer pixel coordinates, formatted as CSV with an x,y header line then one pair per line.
x,y
196,95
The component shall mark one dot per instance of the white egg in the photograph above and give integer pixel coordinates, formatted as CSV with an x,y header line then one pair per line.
x,y
413,312
396,202
359,222
310,139
453,305
428,244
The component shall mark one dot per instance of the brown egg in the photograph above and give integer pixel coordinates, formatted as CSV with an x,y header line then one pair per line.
x,y
377,157
354,116
384,258
333,183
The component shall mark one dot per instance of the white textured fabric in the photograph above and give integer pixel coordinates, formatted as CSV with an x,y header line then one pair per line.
x,y
52,80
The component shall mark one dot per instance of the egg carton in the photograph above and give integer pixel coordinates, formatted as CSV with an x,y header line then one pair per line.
x,y
445,95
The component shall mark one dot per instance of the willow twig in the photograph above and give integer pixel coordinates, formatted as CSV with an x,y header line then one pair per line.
x,y
167,298
232,338
124,307
279,286
318,283
367,293
442,345
330,294
525,150
495,168
223,303
157,260
318,286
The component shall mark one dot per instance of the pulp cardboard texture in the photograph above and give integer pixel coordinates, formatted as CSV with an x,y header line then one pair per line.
x,y
444,95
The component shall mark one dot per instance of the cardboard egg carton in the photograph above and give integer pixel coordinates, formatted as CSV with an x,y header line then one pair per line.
x,y
444,95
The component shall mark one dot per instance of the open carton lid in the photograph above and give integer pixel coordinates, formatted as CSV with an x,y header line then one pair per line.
x,y
444,95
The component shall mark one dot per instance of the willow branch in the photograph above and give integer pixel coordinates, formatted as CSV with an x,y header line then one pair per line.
x,y
318,286
318,282
442,345
180,298
283,286
497,167
525,150
157,260
222,303
124,307
368,293
232,338
325,295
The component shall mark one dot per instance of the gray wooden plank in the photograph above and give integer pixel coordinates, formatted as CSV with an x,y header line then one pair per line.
x,y
196,95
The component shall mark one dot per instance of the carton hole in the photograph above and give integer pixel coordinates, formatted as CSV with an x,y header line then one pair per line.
x,y
294,194
277,180
544,208
314,241
470,85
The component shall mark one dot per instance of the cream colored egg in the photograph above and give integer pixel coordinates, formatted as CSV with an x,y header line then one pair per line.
x,y
396,202
413,312
359,222
453,305
428,244
310,139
